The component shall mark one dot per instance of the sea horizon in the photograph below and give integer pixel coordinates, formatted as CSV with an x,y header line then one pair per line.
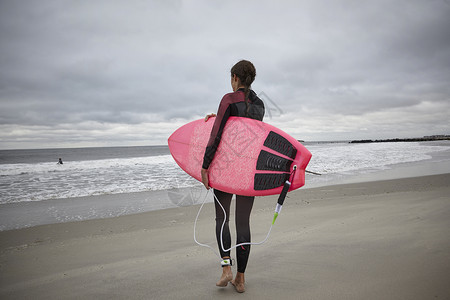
x,y
390,139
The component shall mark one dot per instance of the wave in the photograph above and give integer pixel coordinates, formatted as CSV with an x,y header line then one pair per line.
x,y
75,166
43,181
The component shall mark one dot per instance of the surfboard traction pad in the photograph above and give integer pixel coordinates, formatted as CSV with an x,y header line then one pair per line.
x,y
271,162
280,144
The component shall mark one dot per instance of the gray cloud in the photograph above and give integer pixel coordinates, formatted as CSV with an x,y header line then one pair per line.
x,y
124,67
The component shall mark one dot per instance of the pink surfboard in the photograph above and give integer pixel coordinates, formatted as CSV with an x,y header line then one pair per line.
x,y
253,157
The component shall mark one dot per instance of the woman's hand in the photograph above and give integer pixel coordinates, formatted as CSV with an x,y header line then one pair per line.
x,y
209,116
205,179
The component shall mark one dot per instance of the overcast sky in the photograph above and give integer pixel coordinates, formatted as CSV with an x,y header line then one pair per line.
x,y
111,73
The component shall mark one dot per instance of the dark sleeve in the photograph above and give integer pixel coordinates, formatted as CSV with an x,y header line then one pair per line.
x,y
216,133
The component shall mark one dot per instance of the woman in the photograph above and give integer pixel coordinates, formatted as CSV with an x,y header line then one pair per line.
x,y
243,102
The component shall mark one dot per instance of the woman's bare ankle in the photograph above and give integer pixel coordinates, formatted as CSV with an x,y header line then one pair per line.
x,y
226,269
239,282
240,277
226,277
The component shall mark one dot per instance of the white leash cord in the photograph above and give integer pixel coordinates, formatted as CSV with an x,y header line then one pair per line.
x,y
221,230
195,226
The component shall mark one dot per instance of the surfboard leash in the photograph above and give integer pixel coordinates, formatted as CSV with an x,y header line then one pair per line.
x,y
278,207
221,230
283,194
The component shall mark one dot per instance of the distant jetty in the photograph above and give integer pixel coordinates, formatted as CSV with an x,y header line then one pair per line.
x,y
422,139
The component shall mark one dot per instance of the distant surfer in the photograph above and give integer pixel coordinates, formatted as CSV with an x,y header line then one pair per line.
x,y
243,102
60,162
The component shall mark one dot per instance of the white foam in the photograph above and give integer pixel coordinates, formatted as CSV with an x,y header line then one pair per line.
x,y
44,193
43,181
342,158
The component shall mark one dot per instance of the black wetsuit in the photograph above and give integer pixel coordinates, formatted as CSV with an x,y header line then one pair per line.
x,y
233,104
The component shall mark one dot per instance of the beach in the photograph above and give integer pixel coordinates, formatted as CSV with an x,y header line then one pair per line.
x,y
370,240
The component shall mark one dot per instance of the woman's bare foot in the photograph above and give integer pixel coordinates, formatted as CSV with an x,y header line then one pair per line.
x,y
239,282
227,276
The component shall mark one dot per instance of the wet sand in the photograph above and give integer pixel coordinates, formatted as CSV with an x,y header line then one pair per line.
x,y
371,240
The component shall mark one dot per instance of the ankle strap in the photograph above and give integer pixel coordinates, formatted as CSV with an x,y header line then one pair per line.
x,y
226,262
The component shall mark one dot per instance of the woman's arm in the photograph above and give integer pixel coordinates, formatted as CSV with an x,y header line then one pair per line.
x,y
205,178
222,116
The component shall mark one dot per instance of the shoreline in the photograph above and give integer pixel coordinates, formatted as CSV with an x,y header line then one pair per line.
x,y
25,214
53,211
373,240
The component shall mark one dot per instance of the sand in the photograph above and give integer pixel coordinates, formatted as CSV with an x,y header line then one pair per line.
x,y
374,240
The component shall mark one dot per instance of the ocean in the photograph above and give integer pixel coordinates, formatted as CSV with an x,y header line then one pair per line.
x,y
111,181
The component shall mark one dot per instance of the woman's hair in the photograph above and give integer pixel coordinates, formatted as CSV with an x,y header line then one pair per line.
x,y
246,73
